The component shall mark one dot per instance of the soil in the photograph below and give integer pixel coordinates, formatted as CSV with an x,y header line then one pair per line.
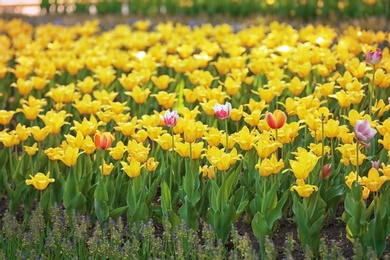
x,y
333,231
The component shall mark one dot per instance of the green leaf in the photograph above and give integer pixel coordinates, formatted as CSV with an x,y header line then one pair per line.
x,y
189,214
116,213
260,227
166,202
71,190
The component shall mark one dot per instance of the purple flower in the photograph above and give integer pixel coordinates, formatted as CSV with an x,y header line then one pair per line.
x,y
374,57
364,132
375,164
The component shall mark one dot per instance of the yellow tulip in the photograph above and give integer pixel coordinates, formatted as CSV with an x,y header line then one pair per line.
x,y
373,181
133,169
270,166
138,151
9,139
212,136
86,85
139,95
162,82
6,116
106,167
304,190
31,150
246,139
22,132
69,156
151,165
55,120
40,181
117,152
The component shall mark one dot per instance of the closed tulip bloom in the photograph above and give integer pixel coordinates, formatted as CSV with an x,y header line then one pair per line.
x,y
103,141
40,180
324,173
170,118
223,111
374,57
304,190
276,120
363,131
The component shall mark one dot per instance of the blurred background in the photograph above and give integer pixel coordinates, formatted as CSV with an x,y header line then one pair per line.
x,y
304,9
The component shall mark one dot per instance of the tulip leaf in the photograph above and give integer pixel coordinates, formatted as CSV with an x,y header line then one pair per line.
x,y
260,227
166,202
15,201
189,214
116,213
141,213
377,233
71,190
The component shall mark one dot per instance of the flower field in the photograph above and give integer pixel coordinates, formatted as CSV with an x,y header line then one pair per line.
x,y
194,128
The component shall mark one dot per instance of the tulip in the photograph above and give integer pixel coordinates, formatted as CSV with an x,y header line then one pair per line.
x,y
40,180
151,164
223,111
373,181
276,120
31,150
103,141
133,169
69,156
374,57
117,152
170,118
324,173
106,168
363,132
304,190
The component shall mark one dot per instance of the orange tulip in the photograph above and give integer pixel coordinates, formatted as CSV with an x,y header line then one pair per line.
x,y
103,141
276,120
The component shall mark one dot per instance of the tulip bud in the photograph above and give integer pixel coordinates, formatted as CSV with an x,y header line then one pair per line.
x,y
375,164
324,174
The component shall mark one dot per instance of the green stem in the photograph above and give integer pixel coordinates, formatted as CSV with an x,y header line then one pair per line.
x,y
227,137
357,160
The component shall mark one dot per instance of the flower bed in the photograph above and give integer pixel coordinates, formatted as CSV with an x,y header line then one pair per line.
x,y
195,126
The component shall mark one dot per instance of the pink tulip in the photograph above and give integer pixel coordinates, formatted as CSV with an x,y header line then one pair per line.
x,y
223,111
170,118
374,57
324,174
363,131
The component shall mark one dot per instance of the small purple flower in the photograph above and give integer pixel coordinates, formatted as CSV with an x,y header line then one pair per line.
x,y
374,57
364,132
375,164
